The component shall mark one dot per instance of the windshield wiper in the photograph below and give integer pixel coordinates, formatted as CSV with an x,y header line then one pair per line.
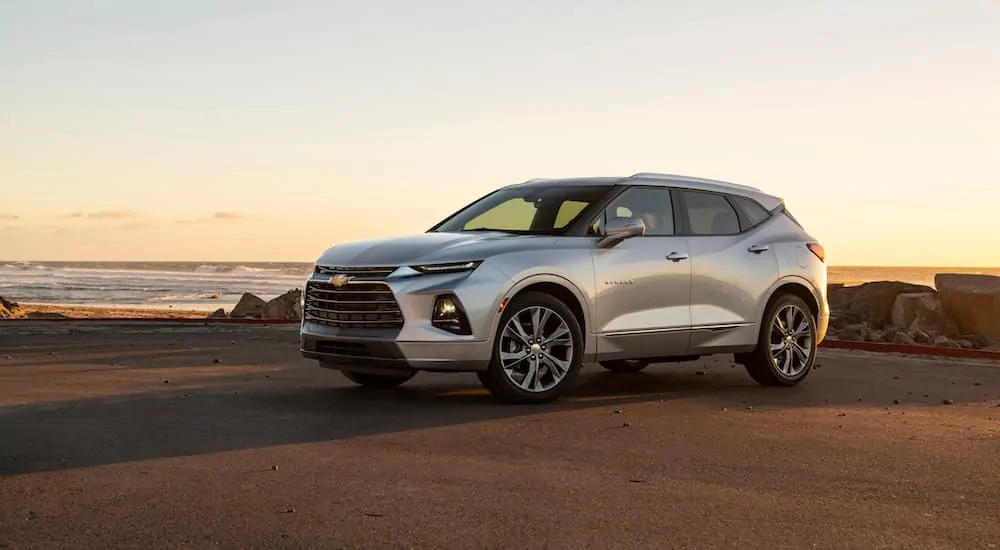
x,y
484,229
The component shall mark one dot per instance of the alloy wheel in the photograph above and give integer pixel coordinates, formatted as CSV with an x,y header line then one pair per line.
x,y
536,349
791,340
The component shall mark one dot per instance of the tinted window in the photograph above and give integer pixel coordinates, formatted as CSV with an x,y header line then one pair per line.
x,y
754,212
651,205
710,214
526,209
568,212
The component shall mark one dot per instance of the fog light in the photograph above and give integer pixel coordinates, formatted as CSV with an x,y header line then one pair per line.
x,y
445,308
448,315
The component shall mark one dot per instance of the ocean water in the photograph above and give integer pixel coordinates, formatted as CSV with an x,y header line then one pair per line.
x,y
147,285
206,287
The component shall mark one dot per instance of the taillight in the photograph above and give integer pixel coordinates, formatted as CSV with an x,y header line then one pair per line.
x,y
818,250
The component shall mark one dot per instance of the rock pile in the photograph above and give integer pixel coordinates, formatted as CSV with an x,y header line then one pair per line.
x,y
7,308
288,306
963,312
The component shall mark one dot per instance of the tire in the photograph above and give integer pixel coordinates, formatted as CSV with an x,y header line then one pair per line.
x,y
772,370
564,357
379,381
625,366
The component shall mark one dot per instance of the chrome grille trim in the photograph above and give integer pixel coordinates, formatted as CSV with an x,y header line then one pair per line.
x,y
359,304
363,272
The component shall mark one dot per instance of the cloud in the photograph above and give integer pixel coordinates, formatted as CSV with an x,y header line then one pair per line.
x,y
218,217
112,215
229,216
9,217
75,215
135,226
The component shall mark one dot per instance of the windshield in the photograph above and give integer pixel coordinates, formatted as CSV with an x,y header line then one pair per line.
x,y
530,210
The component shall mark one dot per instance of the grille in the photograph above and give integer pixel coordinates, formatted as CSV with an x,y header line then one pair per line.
x,y
360,304
364,272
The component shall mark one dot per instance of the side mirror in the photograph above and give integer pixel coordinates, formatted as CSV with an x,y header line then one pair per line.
x,y
620,229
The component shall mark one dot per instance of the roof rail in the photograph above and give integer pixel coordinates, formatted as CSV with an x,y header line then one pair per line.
x,y
677,177
538,180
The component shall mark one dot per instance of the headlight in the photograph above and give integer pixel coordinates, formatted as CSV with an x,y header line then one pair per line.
x,y
456,267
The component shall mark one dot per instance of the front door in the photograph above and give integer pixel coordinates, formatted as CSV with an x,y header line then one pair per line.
x,y
643,284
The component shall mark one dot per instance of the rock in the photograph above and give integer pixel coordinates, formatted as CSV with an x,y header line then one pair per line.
x,y
840,297
872,335
971,301
903,337
7,308
940,340
981,341
218,314
286,306
921,337
921,312
873,302
248,306
852,332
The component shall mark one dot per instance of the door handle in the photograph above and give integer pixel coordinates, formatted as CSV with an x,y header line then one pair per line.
x,y
758,248
677,256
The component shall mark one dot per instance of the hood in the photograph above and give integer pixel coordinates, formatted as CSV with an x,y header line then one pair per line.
x,y
426,248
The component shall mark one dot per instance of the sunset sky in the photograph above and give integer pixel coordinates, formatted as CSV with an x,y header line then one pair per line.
x,y
251,130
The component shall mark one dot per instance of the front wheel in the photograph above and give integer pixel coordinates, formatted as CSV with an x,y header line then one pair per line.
x,y
537,352
786,345
381,381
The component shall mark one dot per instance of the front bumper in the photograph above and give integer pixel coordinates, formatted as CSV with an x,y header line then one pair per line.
x,y
416,344
380,356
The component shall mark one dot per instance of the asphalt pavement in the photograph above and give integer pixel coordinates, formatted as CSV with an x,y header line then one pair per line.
x,y
223,437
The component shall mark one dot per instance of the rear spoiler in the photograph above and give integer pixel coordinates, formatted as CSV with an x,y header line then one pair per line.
x,y
782,209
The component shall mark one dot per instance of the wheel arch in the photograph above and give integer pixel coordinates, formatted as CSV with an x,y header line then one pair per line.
x,y
796,286
558,287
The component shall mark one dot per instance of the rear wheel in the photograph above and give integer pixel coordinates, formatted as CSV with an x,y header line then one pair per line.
x,y
786,346
382,381
625,366
537,352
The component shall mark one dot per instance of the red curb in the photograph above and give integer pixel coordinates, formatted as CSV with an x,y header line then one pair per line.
x,y
906,349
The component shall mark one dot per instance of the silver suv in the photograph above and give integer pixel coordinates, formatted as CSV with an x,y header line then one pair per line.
x,y
528,283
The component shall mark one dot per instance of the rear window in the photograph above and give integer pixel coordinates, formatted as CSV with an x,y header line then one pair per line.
x,y
710,214
754,213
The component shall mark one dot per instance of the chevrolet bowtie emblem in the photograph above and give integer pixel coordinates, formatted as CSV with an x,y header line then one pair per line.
x,y
340,280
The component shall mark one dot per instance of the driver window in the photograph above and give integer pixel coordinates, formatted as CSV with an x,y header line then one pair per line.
x,y
651,205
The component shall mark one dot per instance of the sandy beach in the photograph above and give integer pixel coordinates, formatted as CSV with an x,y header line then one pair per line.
x,y
27,311
223,436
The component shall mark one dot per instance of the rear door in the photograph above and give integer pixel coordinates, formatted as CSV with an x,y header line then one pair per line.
x,y
643,284
730,270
